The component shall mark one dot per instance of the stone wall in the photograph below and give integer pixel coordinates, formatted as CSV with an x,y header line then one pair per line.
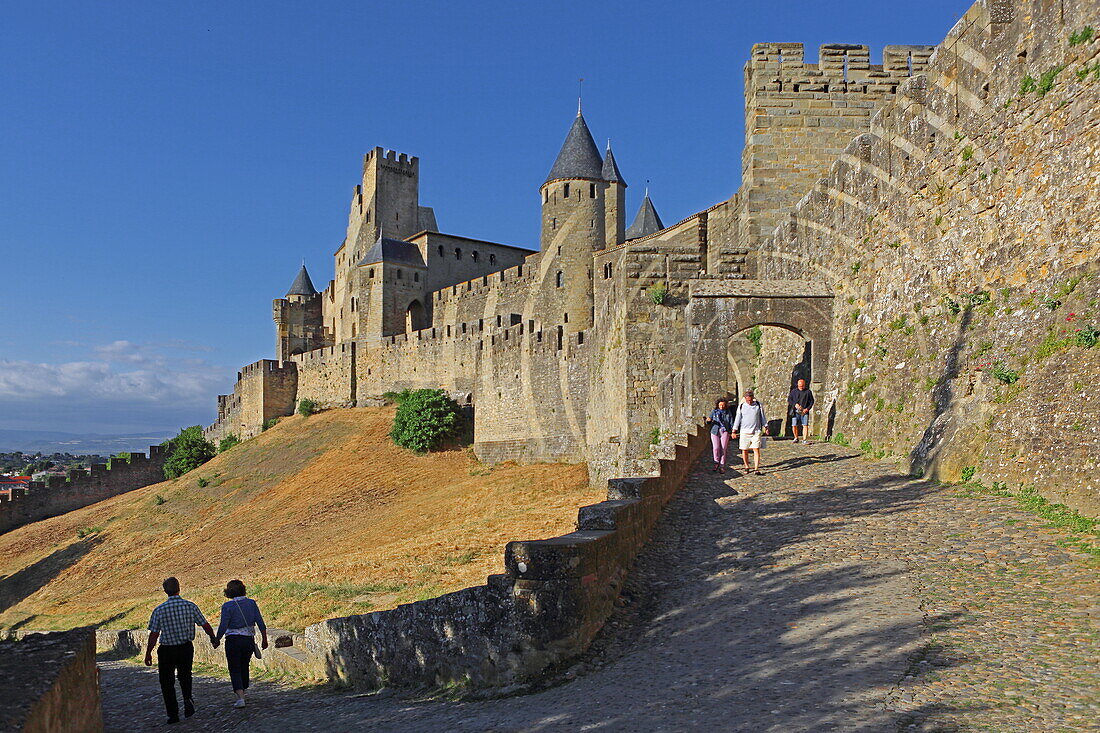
x,y
962,239
327,376
546,608
57,495
49,682
264,389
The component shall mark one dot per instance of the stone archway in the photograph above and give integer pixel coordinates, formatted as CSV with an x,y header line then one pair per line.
x,y
718,310
416,318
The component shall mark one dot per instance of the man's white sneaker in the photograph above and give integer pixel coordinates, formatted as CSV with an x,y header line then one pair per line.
x,y
239,703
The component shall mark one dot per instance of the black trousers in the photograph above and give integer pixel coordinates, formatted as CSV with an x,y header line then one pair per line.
x,y
238,654
172,661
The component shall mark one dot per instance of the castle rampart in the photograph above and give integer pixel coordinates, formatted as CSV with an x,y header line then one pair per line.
x,y
57,495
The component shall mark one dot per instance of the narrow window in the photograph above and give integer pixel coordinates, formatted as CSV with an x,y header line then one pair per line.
x,y
397,216
368,216
567,318
845,67
416,277
458,253
370,272
546,196
559,337
558,279
475,255
399,274
591,190
498,321
567,190
441,250
554,223
580,337
492,259
909,62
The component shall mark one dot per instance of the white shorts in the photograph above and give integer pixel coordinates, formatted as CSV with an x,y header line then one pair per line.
x,y
746,441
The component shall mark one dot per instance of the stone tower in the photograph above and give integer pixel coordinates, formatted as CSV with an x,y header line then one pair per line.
x,y
614,197
573,222
299,324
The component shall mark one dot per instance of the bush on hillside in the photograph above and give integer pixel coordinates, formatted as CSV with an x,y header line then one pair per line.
x,y
186,451
425,419
397,397
306,407
228,442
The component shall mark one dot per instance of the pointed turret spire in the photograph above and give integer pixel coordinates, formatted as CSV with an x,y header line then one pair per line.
x,y
579,157
302,284
610,168
647,222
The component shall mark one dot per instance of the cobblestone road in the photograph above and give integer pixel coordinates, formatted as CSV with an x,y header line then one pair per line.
x,y
829,594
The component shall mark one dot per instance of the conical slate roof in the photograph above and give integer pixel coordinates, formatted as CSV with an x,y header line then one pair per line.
x,y
302,284
611,169
579,157
646,222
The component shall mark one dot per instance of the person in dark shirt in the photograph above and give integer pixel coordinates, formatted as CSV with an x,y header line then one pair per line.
x,y
799,402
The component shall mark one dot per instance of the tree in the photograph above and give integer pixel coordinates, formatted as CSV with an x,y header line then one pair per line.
x,y
425,419
186,451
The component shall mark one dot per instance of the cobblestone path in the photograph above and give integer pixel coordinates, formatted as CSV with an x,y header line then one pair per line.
x,y
829,594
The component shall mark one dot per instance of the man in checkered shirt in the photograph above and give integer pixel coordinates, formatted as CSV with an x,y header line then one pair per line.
x,y
173,624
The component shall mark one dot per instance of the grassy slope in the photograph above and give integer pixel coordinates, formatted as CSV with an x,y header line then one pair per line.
x,y
320,517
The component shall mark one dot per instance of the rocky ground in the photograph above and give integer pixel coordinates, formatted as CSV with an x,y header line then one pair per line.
x,y
831,593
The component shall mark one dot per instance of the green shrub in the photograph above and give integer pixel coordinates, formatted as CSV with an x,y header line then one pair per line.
x,y
397,397
867,446
654,436
967,152
187,451
269,423
1027,84
952,305
158,500
1082,36
756,337
1004,375
1046,81
88,531
125,457
1088,337
203,482
306,407
228,442
657,293
978,297
968,473
425,419
839,439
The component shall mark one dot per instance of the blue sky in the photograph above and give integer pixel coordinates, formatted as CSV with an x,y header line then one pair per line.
x,y
166,167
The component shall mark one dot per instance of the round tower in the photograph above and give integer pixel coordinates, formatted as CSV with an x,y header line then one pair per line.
x,y
573,221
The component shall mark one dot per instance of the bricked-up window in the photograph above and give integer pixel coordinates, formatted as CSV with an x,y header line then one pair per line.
x,y
591,190
558,279
458,253
566,190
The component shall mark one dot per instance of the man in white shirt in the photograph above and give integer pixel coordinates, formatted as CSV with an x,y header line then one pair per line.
x,y
750,425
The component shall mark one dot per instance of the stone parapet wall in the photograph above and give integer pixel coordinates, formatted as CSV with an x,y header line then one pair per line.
x,y
327,376
57,495
961,237
555,596
49,682
264,389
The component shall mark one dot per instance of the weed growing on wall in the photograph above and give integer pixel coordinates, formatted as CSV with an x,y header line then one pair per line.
x,y
657,293
1087,337
1084,35
187,451
1004,375
756,337
425,419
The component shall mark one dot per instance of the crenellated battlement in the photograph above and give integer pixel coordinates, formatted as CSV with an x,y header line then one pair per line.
x,y
390,160
836,62
60,494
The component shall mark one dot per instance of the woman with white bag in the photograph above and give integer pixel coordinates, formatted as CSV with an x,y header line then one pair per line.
x,y
240,616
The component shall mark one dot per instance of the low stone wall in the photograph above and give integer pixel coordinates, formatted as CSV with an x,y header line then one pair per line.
x,y
49,683
57,495
286,653
553,599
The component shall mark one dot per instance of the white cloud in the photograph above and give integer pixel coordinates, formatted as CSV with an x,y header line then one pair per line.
x,y
117,382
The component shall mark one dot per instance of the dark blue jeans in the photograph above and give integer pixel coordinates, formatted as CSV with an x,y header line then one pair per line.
x,y
238,654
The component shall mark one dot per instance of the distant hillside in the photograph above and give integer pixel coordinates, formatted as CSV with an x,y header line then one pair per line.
x,y
320,516
32,441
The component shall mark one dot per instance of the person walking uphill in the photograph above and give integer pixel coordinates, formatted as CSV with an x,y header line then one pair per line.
x,y
751,425
799,402
173,625
240,616
721,425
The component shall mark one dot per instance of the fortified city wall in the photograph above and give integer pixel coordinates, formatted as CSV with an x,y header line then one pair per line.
x,y
58,494
961,236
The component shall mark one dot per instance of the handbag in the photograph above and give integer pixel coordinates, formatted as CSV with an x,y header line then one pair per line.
x,y
255,646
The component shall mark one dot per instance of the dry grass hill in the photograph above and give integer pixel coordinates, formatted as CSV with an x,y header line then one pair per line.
x,y
320,516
